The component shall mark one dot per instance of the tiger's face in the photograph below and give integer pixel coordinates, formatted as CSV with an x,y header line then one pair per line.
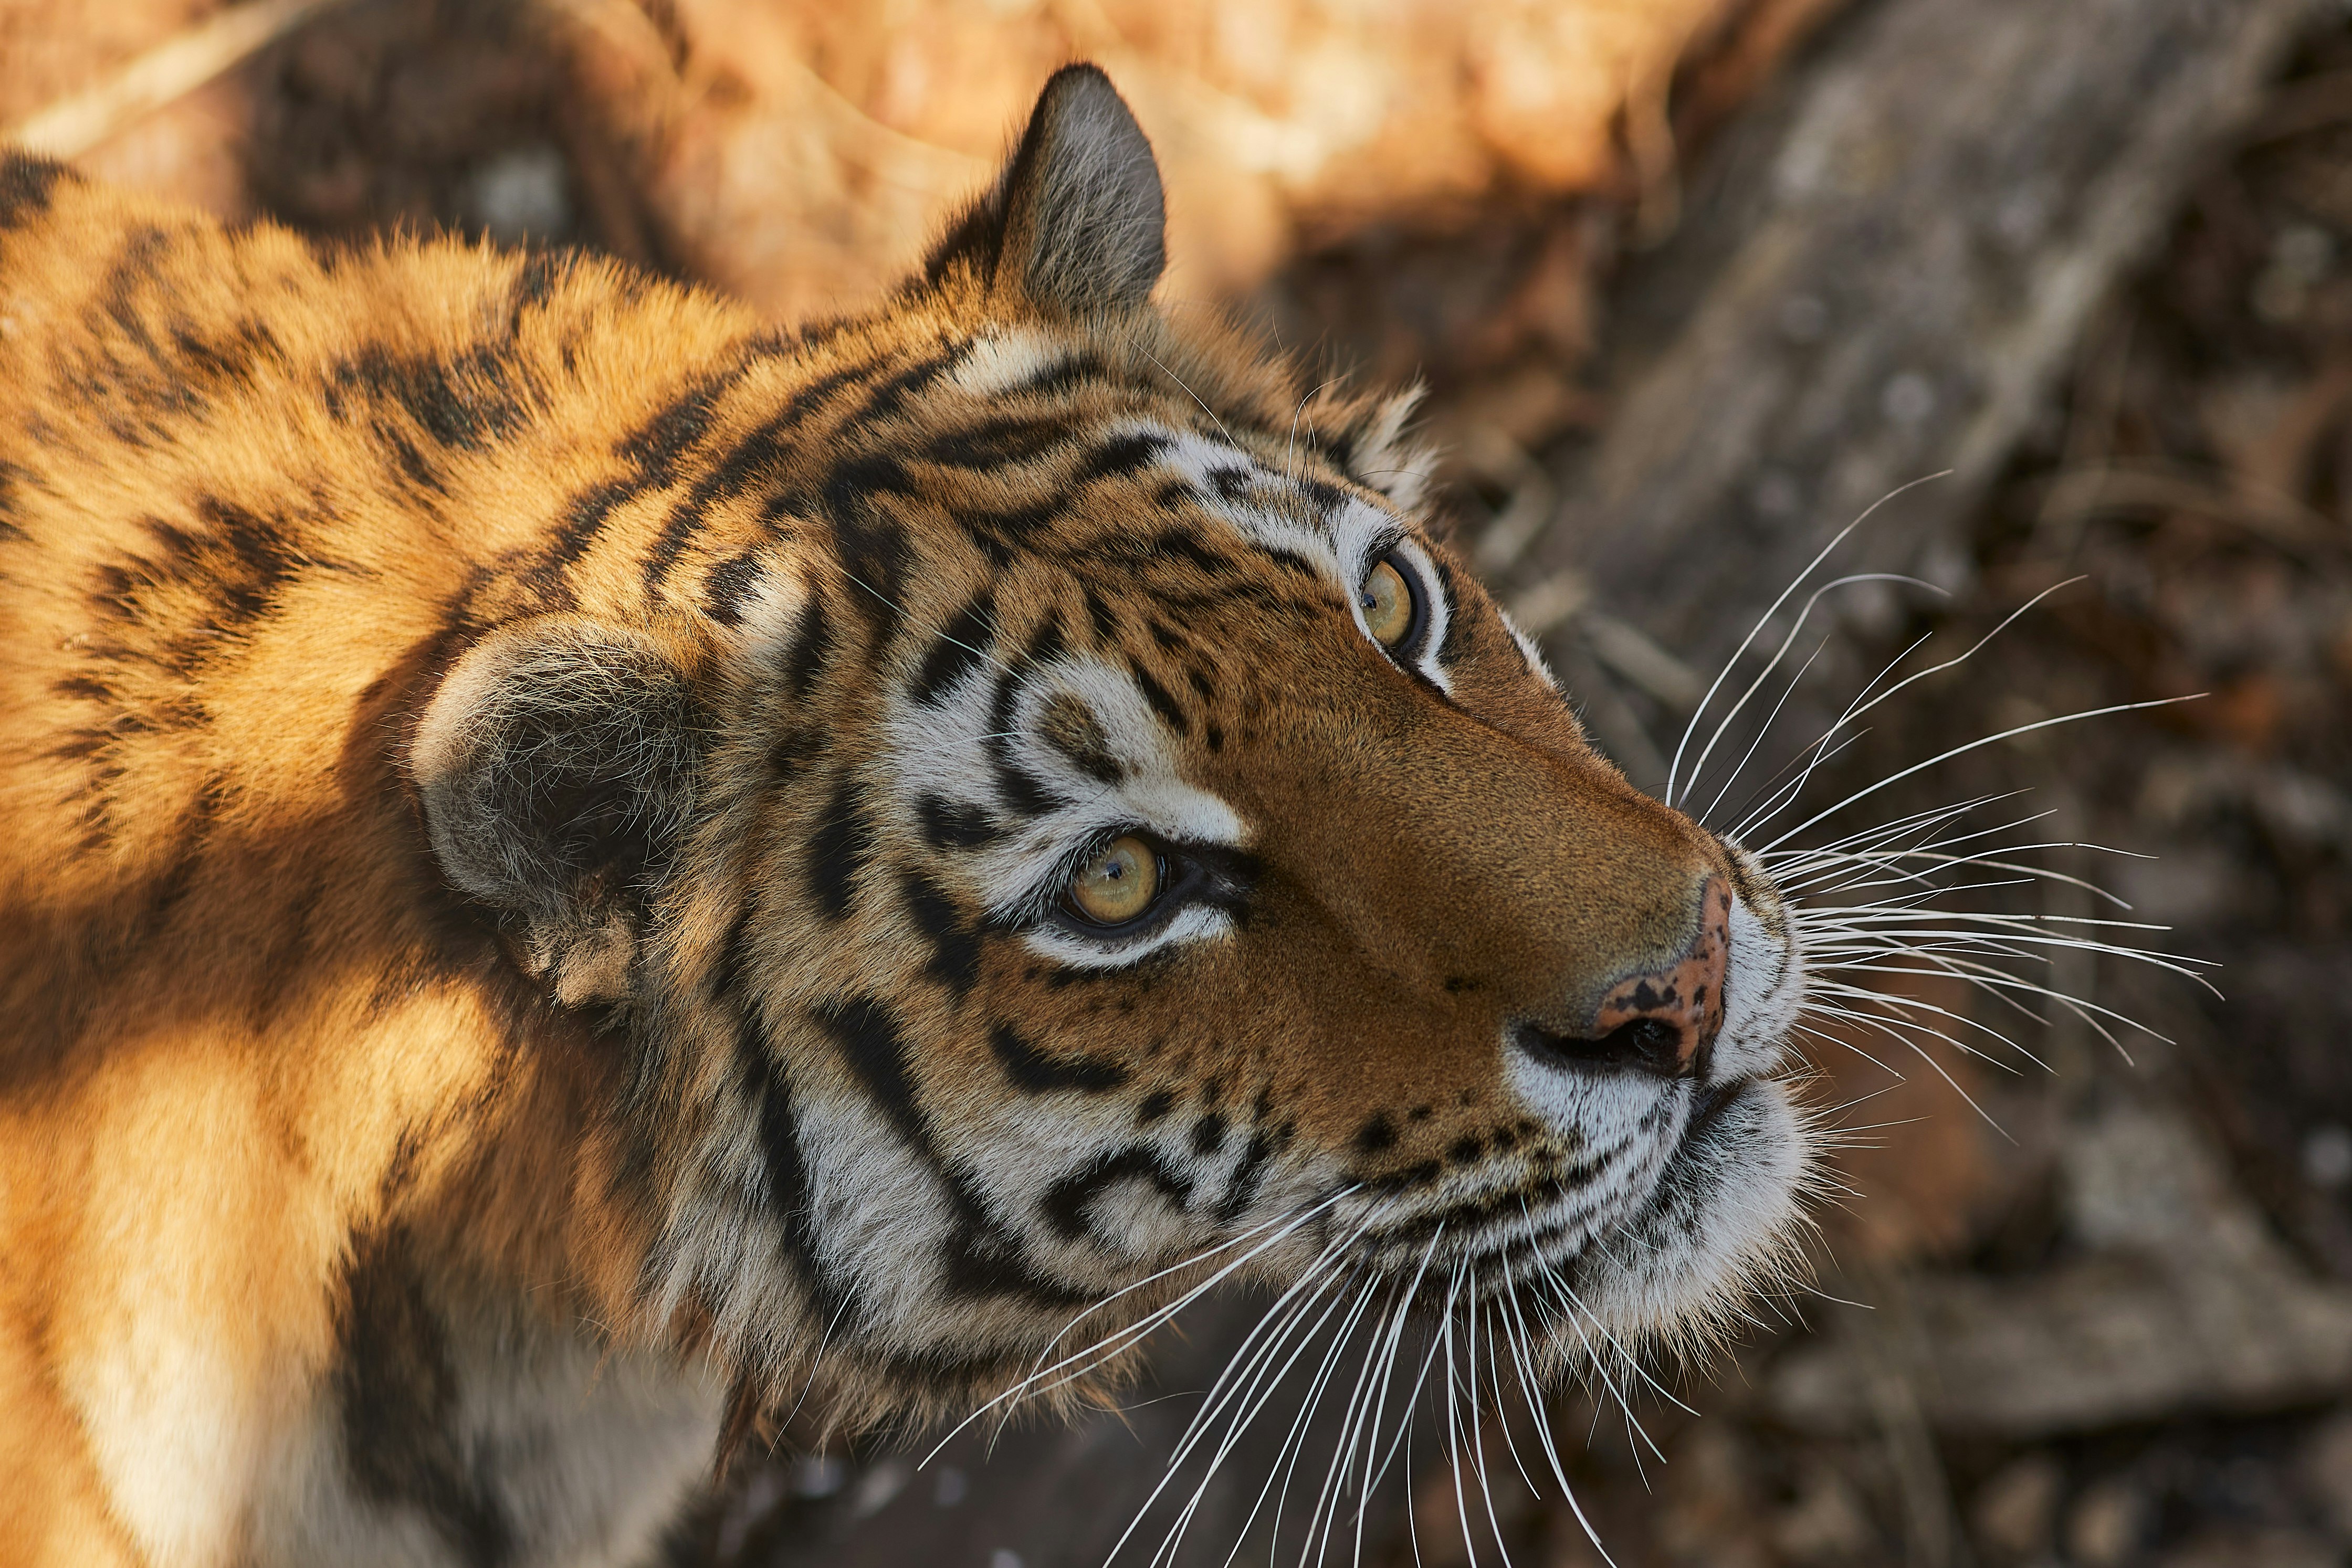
x,y
1101,836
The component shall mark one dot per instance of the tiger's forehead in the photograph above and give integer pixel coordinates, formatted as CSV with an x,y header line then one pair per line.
x,y
1129,467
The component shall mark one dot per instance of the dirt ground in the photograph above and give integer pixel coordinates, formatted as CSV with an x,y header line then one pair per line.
x,y
2107,1318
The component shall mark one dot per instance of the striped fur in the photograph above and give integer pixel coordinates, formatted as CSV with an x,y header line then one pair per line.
x,y
537,810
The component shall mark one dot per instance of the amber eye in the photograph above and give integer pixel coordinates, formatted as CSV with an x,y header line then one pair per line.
x,y
1118,885
1388,602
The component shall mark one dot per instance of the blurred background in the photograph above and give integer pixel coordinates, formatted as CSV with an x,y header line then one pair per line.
x,y
1694,283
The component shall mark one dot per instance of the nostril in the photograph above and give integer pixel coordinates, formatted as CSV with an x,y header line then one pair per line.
x,y
1644,1045
1659,1020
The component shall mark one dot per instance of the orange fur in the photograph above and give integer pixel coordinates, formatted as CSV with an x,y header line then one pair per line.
x,y
475,915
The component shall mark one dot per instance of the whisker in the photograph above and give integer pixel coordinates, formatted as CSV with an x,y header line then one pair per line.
x,y
1780,653
1673,770
1942,757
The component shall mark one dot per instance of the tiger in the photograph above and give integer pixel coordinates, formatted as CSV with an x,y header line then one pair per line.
x,y
585,871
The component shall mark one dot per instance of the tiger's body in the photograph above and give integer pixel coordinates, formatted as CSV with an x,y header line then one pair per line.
x,y
543,816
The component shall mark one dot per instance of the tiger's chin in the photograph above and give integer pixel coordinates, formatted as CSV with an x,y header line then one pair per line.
x,y
1724,1222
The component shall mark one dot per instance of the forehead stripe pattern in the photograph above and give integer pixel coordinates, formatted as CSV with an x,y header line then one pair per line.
x,y
654,450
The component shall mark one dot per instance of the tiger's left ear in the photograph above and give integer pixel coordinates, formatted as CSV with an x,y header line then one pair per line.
x,y
1076,224
555,766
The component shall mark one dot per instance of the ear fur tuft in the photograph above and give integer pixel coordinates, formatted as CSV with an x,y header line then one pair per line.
x,y
1076,222
556,766
1372,439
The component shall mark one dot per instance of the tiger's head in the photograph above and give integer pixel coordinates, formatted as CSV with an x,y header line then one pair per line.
x,y
1053,823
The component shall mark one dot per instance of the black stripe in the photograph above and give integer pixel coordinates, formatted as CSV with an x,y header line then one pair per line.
x,y
1157,696
1017,790
1035,1072
27,186
1068,375
953,824
1247,1176
752,461
729,583
870,1042
891,394
854,481
397,1395
812,646
1065,1203
770,1092
1186,544
996,442
534,282
1231,484
652,451
838,850
958,649
1012,527
1106,626
873,548
1208,1133
980,1260
955,945
1047,641
1322,494
465,402
1120,456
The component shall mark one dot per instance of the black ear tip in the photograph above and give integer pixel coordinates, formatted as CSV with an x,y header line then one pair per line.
x,y
1083,82
1077,221
1081,111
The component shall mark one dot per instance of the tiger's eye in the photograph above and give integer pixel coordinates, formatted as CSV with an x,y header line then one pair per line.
x,y
1387,603
1117,885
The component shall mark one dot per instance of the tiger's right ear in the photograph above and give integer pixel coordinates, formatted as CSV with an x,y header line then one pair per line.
x,y
556,764
1075,223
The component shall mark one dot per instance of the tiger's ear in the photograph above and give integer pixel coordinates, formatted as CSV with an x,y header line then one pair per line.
x,y
556,766
1372,439
1075,223
1385,455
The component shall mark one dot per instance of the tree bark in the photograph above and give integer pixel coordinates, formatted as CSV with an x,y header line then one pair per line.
x,y
1881,275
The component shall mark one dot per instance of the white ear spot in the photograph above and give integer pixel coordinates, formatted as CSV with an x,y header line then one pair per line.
x,y
1004,360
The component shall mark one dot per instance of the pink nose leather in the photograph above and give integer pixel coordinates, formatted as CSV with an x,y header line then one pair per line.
x,y
1687,995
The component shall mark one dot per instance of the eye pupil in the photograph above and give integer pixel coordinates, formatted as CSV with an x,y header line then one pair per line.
x,y
1118,883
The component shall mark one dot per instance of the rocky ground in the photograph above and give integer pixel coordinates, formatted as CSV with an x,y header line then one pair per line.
x,y
2105,1320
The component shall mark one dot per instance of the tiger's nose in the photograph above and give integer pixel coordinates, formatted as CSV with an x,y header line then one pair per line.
x,y
1661,1021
